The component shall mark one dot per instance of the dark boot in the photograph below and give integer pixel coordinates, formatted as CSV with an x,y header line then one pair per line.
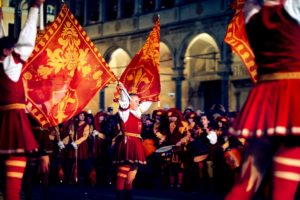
x,y
127,195
119,194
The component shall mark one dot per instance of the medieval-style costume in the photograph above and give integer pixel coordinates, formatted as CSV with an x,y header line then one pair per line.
x,y
270,116
38,163
77,153
177,135
158,126
129,150
16,136
99,145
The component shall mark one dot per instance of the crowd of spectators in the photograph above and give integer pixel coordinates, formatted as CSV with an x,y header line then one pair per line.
x,y
187,151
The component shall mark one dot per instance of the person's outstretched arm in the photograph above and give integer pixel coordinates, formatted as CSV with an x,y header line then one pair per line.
x,y
14,62
124,102
26,41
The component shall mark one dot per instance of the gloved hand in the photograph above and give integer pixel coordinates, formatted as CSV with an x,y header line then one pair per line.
x,y
95,133
212,137
75,146
178,144
61,145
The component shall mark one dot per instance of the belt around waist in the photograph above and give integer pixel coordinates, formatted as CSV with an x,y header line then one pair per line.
x,y
133,135
13,106
278,76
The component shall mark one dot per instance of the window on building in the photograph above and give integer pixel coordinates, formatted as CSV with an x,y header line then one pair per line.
x,y
148,6
128,8
12,3
94,17
93,11
112,9
167,4
50,10
77,8
79,11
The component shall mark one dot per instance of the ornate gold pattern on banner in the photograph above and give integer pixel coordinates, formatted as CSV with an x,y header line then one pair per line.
x,y
141,76
236,37
64,72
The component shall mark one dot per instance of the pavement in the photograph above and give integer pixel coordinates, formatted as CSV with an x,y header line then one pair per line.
x,y
107,193
76,192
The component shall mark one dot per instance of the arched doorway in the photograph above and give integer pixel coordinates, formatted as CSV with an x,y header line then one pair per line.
x,y
117,60
202,85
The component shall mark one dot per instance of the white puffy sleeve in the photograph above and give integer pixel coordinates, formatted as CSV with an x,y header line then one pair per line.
x,y
124,102
251,7
293,9
23,48
26,41
144,106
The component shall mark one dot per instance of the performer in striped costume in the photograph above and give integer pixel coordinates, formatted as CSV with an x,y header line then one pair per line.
x,y
16,136
129,151
270,118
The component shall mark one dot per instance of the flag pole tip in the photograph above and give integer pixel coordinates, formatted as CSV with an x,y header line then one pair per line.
x,y
156,17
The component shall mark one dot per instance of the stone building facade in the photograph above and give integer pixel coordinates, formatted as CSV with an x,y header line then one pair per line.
x,y
196,67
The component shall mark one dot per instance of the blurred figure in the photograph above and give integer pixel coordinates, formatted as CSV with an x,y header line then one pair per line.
x,y
270,118
178,136
158,127
200,148
16,136
38,164
77,149
99,150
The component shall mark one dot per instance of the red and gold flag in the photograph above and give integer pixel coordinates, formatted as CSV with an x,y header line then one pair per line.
x,y
141,76
64,72
236,37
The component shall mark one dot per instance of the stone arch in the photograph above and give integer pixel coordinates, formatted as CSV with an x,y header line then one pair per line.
x,y
117,59
201,60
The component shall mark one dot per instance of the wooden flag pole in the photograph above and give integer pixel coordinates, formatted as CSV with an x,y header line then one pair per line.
x,y
42,16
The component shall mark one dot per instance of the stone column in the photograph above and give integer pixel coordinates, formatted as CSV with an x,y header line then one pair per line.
x,y
137,7
226,63
86,12
103,11
120,13
178,91
178,78
102,99
157,4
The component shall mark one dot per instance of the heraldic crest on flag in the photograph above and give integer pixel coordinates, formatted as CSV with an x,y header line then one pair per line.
x,y
236,37
141,76
64,72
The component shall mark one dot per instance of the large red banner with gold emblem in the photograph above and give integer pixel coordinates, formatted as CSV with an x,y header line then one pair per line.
x,y
236,37
64,72
141,76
